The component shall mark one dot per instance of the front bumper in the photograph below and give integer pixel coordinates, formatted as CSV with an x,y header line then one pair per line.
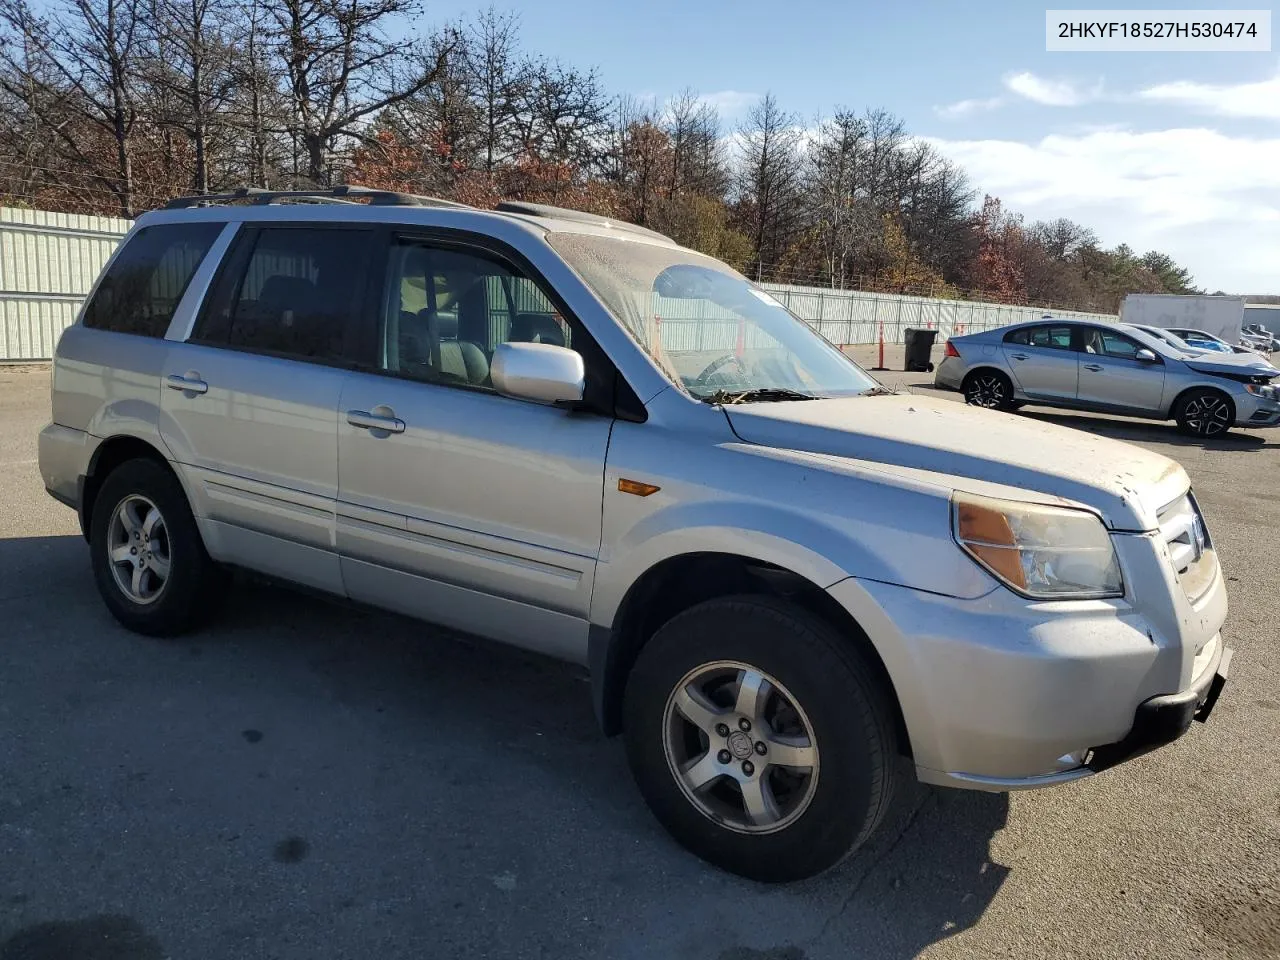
x,y
1253,411
1162,720
1000,693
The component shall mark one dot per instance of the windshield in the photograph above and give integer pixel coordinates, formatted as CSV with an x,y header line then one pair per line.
x,y
1170,338
714,334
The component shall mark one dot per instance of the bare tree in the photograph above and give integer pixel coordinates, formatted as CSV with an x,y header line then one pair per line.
x,y
768,180
341,70
501,78
834,178
563,116
192,70
78,71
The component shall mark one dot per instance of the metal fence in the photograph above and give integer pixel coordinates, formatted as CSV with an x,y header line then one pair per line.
x,y
847,317
48,261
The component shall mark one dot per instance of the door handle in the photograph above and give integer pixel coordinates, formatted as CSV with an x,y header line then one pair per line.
x,y
370,421
1019,356
1093,366
188,383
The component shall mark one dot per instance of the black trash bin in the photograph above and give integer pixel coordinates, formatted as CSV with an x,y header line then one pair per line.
x,y
919,344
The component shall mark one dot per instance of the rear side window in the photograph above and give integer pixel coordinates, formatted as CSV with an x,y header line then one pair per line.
x,y
294,292
1016,336
144,284
1055,338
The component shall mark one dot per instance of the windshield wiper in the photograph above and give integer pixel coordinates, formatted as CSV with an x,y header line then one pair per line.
x,y
877,391
753,396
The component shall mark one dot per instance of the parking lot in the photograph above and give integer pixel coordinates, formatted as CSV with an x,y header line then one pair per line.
x,y
309,780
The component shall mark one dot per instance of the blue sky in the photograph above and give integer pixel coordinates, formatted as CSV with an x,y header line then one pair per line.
x,y
1172,151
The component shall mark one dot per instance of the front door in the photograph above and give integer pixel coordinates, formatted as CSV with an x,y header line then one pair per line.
x,y
251,399
456,504
1111,375
1042,361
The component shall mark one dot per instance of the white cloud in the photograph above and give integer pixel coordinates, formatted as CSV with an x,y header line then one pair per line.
x,y
1260,100
730,103
1209,200
967,108
1051,93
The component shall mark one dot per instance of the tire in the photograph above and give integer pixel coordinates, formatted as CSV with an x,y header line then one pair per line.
x,y
825,707
1204,413
988,388
177,585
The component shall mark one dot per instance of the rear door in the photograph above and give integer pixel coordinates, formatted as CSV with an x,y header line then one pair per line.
x,y
1111,375
1042,361
457,504
250,400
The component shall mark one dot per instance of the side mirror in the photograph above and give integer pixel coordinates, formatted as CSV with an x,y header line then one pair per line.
x,y
541,372
1146,356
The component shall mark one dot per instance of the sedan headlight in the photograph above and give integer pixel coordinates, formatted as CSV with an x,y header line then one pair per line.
x,y
1041,552
1267,391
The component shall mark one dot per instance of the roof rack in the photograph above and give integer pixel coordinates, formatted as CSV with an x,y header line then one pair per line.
x,y
577,216
344,193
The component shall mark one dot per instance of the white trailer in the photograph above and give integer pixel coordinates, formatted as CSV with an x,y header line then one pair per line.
x,y
1221,316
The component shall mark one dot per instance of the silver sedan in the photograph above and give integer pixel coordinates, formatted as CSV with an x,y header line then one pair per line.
x,y
1110,368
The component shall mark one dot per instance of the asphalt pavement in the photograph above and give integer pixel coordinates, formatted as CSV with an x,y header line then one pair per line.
x,y
308,780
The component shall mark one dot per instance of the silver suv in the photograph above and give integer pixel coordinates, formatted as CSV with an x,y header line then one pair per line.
x,y
572,435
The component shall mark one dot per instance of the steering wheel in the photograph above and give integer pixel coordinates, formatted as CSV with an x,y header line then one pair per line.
x,y
719,362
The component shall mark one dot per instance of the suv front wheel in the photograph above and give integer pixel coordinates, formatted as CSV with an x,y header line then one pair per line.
x,y
760,737
148,560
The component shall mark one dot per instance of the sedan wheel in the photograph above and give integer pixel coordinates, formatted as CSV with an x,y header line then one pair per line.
x,y
1205,414
989,389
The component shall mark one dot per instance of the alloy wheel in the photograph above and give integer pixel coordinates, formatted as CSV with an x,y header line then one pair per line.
x,y
1207,415
740,747
988,391
138,549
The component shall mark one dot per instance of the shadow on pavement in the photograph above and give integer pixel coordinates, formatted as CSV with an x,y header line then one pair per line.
x,y
1152,431
456,789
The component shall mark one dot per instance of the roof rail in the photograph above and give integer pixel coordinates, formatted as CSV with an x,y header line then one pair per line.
x,y
343,193
577,216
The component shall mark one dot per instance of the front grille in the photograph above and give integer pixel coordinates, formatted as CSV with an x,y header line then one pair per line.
x,y
1183,530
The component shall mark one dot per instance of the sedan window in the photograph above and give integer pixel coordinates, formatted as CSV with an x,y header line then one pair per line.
x,y
1111,344
1056,338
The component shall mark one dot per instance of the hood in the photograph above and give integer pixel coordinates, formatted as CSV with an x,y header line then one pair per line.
x,y
1125,483
1234,364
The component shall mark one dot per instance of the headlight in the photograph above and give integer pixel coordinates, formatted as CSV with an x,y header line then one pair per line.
x,y
1041,552
1267,391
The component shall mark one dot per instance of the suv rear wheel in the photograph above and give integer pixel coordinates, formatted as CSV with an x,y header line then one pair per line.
x,y
148,560
760,737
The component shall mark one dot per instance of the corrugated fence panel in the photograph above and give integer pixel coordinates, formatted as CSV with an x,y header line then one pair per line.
x,y
852,316
48,262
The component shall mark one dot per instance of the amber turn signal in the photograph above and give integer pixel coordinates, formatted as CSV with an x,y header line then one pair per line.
x,y
637,488
987,534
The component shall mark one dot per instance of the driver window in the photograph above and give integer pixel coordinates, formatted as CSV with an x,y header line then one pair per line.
x,y
1118,345
446,310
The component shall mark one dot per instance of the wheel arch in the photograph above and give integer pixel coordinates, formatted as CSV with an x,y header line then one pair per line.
x,y
676,583
108,455
981,368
